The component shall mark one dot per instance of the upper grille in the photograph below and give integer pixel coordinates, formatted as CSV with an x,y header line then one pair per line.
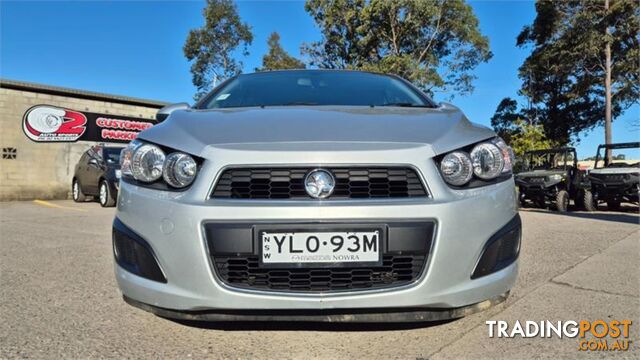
x,y
245,272
534,179
288,183
612,177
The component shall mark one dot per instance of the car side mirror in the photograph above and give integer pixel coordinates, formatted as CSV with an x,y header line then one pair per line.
x,y
164,113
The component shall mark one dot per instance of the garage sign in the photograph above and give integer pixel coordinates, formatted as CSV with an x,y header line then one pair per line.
x,y
47,123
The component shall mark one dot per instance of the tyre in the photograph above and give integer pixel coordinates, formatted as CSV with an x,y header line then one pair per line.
x,y
613,205
562,200
588,201
76,192
105,196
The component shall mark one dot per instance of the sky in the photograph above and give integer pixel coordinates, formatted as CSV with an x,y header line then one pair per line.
x,y
135,49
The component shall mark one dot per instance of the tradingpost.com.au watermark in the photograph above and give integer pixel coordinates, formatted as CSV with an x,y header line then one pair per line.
x,y
598,335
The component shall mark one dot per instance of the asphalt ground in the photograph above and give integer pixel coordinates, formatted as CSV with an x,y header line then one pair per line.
x,y
59,299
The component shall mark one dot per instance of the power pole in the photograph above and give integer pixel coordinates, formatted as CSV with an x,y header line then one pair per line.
x,y
607,83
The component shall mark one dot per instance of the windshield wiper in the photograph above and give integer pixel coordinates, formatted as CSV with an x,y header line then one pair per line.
x,y
402,104
299,103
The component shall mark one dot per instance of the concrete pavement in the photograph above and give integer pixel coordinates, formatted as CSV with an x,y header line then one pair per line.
x,y
58,297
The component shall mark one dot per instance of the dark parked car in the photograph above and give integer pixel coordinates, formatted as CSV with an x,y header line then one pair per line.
x,y
550,175
613,181
97,175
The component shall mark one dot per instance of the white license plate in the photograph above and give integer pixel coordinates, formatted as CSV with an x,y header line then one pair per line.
x,y
355,247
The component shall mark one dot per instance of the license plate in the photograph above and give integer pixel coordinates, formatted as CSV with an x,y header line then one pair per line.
x,y
340,248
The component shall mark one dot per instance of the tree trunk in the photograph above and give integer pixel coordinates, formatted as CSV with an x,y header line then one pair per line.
x,y
607,85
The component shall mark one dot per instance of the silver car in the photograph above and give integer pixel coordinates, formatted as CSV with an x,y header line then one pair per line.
x,y
316,195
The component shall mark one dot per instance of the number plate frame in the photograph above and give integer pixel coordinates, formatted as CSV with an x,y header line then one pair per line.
x,y
320,228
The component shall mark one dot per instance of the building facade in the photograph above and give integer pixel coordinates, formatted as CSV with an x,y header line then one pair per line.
x,y
43,170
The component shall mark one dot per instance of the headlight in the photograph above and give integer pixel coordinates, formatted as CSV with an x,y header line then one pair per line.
x,y
456,168
118,174
146,163
179,169
507,154
554,177
125,158
487,161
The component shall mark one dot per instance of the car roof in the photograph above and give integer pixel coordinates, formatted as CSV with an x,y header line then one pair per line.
x,y
100,146
557,150
316,71
627,145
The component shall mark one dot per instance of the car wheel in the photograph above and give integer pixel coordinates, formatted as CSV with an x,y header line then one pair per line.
x,y
76,192
588,201
105,196
562,200
613,205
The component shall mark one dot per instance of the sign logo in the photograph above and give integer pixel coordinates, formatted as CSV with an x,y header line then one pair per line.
x,y
319,184
46,123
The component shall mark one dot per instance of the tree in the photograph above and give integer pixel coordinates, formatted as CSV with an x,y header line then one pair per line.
x,y
529,137
583,68
277,58
511,124
504,120
435,44
211,48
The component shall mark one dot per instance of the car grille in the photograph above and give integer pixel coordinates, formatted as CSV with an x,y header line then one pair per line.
x,y
612,177
535,180
244,272
288,183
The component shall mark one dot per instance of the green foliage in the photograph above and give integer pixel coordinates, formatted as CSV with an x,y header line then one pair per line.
x,y
504,121
518,129
212,46
527,137
564,76
277,58
435,44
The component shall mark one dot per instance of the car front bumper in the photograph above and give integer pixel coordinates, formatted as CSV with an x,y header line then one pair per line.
x,y
172,224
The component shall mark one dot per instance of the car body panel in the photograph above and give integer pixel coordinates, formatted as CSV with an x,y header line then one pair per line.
x,y
443,129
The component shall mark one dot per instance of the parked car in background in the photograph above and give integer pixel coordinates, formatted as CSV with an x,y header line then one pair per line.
x,y
549,176
97,175
614,181
316,195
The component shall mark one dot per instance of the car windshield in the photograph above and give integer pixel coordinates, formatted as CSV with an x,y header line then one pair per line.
x,y
290,88
620,157
548,160
112,155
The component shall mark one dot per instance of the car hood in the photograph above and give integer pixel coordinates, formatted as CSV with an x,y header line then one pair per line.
x,y
444,128
540,173
620,170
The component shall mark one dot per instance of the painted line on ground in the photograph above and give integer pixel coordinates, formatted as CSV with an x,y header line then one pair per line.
x,y
56,206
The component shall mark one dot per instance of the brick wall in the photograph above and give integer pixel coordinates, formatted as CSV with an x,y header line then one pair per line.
x,y
43,170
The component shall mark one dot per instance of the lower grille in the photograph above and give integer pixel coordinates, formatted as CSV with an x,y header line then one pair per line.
x,y
244,272
288,183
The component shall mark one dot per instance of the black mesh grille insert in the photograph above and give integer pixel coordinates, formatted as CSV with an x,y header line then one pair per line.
x,y
288,183
244,272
